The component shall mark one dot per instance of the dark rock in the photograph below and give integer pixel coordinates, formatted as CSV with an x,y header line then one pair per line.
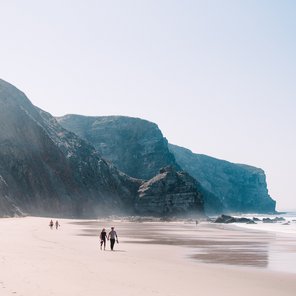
x,y
256,219
268,220
274,220
279,219
243,220
230,219
224,219
251,222
170,193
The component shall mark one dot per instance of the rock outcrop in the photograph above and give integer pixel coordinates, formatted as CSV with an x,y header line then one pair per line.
x,y
47,170
230,219
170,193
136,146
273,220
240,188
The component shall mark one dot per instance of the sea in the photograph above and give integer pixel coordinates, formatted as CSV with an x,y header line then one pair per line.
x,y
285,227
281,249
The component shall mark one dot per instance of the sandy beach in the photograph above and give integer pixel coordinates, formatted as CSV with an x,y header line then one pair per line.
x,y
152,258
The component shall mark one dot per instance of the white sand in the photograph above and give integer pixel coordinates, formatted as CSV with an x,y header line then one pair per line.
x,y
35,260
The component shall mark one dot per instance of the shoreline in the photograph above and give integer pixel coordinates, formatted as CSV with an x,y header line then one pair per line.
x,y
35,260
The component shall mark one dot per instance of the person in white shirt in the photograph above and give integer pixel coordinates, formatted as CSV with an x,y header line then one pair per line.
x,y
112,236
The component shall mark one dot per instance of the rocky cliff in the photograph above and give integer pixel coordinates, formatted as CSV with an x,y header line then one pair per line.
x,y
240,188
170,193
137,147
46,170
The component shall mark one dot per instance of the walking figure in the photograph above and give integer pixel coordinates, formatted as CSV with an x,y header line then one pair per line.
x,y
103,237
51,224
57,224
112,236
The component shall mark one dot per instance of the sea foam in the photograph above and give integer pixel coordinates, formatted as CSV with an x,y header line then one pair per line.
x,y
279,227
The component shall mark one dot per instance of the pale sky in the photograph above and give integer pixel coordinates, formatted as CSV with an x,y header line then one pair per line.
x,y
218,77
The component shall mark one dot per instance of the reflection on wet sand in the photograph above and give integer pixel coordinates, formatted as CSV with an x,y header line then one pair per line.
x,y
209,243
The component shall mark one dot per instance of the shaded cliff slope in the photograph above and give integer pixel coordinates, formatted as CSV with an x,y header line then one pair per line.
x,y
136,146
240,188
46,170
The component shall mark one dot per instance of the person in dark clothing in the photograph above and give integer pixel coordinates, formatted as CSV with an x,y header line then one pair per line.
x,y
103,237
51,224
112,236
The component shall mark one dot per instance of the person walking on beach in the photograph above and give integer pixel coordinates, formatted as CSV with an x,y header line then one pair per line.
x,y
57,224
103,237
51,224
112,236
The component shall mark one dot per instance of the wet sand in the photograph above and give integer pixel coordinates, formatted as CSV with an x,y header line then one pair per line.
x,y
212,243
151,259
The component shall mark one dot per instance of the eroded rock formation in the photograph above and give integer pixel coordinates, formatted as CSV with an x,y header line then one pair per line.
x,y
170,193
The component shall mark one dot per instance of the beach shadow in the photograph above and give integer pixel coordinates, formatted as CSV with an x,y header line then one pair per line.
x,y
115,251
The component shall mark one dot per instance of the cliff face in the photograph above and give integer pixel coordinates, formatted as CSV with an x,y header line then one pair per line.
x,y
46,170
137,147
240,188
170,193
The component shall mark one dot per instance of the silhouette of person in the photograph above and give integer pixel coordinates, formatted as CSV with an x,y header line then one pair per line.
x,y
57,224
112,236
51,224
103,237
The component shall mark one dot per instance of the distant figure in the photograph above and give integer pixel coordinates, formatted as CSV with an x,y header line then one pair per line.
x,y
103,237
196,222
112,236
51,224
57,224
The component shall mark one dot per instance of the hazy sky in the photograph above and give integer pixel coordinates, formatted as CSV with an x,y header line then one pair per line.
x,y
218,77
